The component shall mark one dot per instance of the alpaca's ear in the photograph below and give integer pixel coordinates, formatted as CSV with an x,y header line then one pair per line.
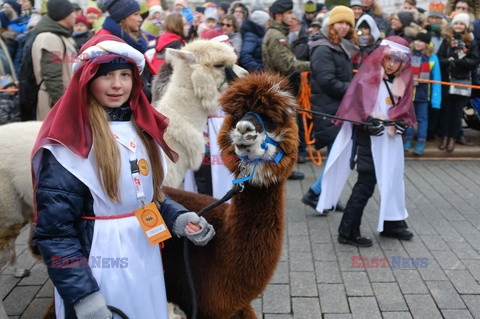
x,y
205,87
187,57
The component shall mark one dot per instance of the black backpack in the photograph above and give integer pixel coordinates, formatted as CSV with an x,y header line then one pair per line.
x,y
27,84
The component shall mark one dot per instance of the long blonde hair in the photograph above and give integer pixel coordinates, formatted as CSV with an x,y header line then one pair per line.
x,y
136,35
107,154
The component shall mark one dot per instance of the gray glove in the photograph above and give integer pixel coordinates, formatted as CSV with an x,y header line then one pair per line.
x,y
93,306
201,237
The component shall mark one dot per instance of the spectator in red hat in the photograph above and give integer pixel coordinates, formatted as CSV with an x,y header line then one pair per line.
x,y
92,14
82,31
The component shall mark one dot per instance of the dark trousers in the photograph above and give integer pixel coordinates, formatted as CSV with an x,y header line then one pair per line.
x,y
362,190
302,146
352,216
203,178
452,110
433,120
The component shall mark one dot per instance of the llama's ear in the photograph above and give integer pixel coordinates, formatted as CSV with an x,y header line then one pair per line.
x,y
187,57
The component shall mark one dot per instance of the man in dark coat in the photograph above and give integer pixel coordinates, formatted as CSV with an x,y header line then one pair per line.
x,y
277,52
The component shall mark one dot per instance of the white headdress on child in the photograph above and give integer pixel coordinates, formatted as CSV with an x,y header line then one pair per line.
x,y
110,47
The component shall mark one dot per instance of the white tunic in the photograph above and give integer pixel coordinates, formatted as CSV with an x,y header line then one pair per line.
x,y
388,158
221,177
136,284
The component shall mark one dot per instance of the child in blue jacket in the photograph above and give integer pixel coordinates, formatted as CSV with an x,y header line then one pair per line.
x,y
425,66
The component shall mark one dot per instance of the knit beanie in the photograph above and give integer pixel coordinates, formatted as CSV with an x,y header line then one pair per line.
x,y
15,6
155,9
405,18
341,14
105,68
260,17
424,36
59,9
119,9
463,18
224,6
93,10
310,7
280,6
211,13
436,10
81,19
355,3
258,5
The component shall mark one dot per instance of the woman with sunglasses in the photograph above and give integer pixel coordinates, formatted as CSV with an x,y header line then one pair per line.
x,y
229,26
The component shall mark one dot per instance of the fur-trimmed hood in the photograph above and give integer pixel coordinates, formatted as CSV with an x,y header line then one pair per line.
x,y
473,4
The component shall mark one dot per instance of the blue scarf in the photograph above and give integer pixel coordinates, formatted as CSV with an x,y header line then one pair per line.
x,y
115,29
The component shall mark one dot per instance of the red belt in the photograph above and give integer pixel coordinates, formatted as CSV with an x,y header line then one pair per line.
x,y
108,217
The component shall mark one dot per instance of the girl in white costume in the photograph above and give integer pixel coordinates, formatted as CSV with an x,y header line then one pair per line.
x,y
382,90
98,167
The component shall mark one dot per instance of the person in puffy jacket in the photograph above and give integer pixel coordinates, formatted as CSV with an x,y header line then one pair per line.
x,y
98,166
458,56
372,145
253,31
332,71
173,37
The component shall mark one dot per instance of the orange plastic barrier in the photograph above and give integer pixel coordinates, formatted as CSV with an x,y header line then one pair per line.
x,y
307,119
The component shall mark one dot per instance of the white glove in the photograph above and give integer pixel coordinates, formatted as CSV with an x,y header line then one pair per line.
x,y
93,306
199,238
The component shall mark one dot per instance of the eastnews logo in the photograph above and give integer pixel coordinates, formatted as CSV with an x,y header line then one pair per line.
x,y
92,262
395,262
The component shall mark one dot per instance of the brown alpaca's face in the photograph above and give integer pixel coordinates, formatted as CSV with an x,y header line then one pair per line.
x,y
260,123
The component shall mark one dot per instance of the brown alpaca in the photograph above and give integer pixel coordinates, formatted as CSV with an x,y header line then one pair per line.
x,y
236,266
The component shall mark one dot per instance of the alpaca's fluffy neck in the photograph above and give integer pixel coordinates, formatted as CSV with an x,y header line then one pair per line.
x,y
254,228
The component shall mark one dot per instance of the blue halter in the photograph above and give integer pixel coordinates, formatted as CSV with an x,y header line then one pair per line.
x,y
264,146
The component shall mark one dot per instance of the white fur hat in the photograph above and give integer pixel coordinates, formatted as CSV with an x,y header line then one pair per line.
x,y
463,18
154,9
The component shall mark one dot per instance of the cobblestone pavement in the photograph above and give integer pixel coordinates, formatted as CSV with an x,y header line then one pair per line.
x,y
316,277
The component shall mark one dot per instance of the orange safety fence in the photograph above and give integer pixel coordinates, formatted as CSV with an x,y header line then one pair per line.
x,y
307,118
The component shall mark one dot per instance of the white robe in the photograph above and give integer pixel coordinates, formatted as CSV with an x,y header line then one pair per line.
x,y
138,287
388,158
221,176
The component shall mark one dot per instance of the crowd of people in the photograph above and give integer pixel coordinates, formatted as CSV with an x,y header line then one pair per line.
x,y
80,174
443,42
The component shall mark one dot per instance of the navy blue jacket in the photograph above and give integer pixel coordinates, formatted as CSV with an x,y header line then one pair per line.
x,y
251,54
61,201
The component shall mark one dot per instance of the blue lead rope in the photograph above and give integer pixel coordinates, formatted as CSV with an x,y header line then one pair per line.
x,y
264,146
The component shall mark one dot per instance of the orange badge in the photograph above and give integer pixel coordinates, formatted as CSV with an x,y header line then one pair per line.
x,y
388,100
143,167
152,224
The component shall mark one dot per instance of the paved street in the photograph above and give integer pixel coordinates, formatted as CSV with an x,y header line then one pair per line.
x,y
316,277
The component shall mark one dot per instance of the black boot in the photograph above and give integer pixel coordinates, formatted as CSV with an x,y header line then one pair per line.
x,y
295,175
396,229
340,207
310,199
358,241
